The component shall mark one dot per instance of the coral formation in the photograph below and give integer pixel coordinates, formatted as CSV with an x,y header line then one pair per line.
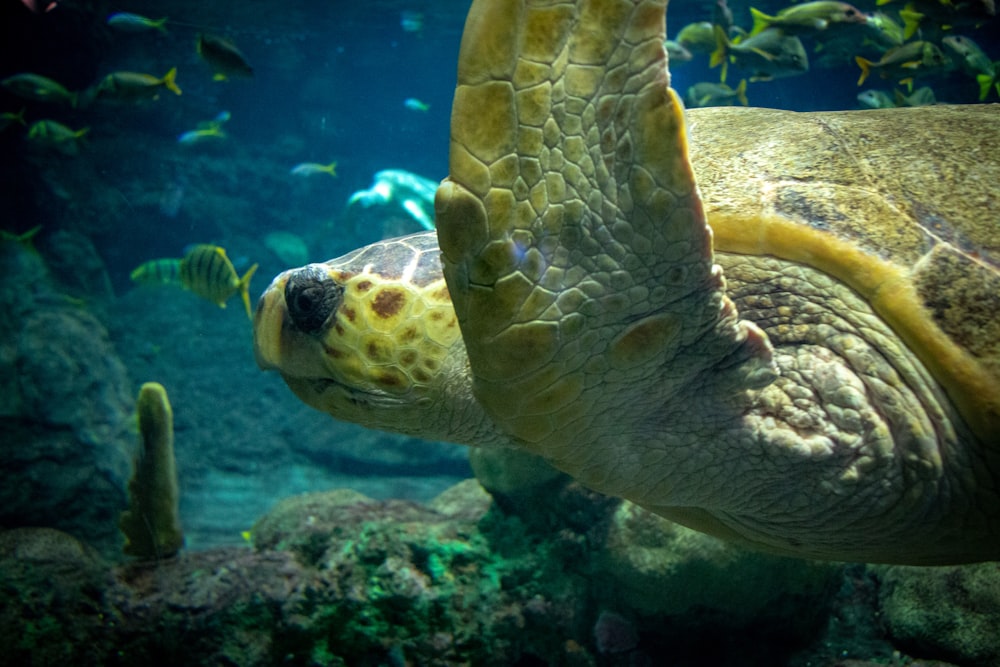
x,y
151,525
64,406
337,578
948,612
544,573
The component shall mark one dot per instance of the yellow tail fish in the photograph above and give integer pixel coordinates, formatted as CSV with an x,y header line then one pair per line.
x,y
206,271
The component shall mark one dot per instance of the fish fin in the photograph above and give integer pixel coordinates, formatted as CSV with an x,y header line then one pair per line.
x,y
331,169
908,82
26,239
160,24
721,53
28,236
219,76
170,81
879,3
718,56
703,100
245,289
756,78
911,64
770,57
911,21
865,66
761,21
417,213
741,93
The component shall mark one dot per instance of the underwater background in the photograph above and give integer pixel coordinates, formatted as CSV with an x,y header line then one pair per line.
x,y
279,167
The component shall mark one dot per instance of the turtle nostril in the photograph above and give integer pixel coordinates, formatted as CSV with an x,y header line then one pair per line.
x,y
311,296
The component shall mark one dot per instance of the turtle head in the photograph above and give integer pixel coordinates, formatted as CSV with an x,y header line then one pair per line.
x,y
371,338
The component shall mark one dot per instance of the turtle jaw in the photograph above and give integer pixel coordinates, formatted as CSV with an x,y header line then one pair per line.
x,y
267,337
278,344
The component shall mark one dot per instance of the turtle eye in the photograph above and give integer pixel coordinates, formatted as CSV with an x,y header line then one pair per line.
x,y
311,296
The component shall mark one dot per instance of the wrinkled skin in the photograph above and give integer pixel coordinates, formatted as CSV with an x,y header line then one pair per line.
x,y
765,389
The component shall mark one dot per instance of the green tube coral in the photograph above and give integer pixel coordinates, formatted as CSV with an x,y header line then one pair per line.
x,y
151,524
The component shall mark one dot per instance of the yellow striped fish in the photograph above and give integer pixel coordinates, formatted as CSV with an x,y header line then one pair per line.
x,y
206,271
158,272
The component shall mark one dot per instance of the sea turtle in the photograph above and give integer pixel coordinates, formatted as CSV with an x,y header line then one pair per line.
x,y
814,371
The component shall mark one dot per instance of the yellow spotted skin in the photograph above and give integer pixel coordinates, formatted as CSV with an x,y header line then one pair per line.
x,y
786,339
383,348
390,334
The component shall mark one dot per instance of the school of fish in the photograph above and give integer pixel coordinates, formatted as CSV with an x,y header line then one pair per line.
x,y
897,45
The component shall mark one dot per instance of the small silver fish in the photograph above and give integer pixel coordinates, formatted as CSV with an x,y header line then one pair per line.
x,y
39,88
56,136
166,271
875,99
676,53
415,104
767,55
201,135
134,86
129,22
708,94
225,59
971,57
921,97
313,168
411,21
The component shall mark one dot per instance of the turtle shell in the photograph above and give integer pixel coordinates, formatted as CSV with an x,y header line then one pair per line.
x,y
900,204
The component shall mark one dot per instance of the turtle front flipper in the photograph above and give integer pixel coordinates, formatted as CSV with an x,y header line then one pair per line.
x,y
573,238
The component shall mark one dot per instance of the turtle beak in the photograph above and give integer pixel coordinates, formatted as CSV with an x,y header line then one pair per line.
x,y
291,319
268,323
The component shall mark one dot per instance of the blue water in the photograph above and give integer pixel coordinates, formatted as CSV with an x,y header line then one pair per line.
x,y
331,81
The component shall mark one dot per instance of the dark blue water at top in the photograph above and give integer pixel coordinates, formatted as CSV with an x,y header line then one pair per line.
x,y
330,83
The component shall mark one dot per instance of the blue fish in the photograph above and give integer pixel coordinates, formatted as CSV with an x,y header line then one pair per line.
x,y
411,21
415,104
129,22
313,168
